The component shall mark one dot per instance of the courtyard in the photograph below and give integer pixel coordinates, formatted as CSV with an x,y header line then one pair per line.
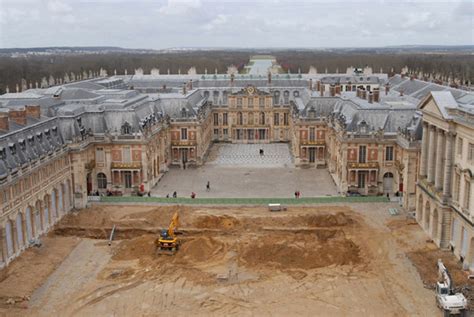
x,y
342,260
239,171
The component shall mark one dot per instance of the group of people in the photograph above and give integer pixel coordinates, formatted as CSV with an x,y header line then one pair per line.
x,y
175,195
193,194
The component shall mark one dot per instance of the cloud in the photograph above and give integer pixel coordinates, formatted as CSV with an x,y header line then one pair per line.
x,y
218,21
179,7
58,6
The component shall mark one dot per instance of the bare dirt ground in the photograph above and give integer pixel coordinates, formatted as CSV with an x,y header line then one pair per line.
x,y
324,260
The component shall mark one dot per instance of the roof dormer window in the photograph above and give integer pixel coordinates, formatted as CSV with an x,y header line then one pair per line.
x,y
126,128
12,147
3,153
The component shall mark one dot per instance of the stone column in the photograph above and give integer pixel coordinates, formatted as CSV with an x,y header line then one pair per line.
x,y
448,164
424,150
432,154
440,152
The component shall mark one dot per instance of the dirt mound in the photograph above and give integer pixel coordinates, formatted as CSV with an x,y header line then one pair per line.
x,y
133,249
200,249
300,251
217,222
329,220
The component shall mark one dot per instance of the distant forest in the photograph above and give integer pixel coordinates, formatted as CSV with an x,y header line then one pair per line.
x,y
34,67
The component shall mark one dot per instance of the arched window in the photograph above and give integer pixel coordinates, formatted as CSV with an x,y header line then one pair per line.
x,y
101,181
286,97
126,128
276,97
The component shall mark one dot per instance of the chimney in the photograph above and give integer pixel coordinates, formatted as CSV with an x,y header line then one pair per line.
x,y
18,116
318,85
184,89
364,94
232,76
387,89
371,97
332,90
4,121
401,93
338,89
269,78
311,84
190,84
33,111
321,90
376,94
349,86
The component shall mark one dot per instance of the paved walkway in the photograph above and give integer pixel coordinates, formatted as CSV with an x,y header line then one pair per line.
x,y
248,155
238,170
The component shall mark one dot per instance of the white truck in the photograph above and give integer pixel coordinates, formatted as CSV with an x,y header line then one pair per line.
x,y
451,303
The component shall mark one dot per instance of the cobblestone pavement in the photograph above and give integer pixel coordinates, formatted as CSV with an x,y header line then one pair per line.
x,y
237,170
274,155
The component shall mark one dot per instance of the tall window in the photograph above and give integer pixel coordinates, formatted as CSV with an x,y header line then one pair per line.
x,y
285,118
262,118
362,154
250,102
101,181
467,194
261,102
276,97
276,118
239,102
224,97
286,97
224,118
312,134
457,186
184,133
215,97
389,153
216,119
240,119
99,154
127,157
459,146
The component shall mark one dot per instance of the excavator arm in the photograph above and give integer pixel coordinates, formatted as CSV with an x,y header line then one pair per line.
x,y
173,225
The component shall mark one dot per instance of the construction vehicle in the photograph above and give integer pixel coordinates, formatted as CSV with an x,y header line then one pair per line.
x,y
450,302
168,243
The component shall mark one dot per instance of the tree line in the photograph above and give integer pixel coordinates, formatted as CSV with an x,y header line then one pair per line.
x,y
33,68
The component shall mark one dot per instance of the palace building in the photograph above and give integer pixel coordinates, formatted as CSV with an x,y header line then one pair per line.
x,y
118,135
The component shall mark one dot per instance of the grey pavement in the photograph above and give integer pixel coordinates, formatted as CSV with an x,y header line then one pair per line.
x,y
238,171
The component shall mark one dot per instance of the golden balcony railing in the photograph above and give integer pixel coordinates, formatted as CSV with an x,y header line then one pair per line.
x,y
126,166
184,143
314,142
367,165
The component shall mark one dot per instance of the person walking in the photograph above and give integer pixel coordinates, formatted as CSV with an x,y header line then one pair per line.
x,y
208,186
175,194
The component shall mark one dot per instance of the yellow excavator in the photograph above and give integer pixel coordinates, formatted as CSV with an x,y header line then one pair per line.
x,y
168,243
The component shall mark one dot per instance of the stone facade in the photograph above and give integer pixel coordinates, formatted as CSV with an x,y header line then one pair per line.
x,y
444,205
61,146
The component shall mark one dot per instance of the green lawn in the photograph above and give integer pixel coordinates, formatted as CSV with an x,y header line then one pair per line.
x,y
244,201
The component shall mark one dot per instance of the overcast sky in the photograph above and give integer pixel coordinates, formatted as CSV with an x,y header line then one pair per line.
x,y
199,23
